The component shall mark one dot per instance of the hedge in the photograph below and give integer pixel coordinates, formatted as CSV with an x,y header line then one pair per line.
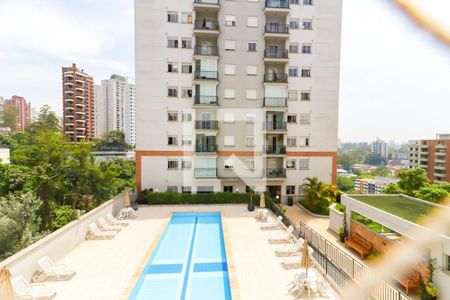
x,y
153,198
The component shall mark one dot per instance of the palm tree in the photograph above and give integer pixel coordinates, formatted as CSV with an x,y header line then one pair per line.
x,y
318,193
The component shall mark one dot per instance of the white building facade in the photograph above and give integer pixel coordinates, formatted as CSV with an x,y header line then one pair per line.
x,y
233,95
116,107
380,147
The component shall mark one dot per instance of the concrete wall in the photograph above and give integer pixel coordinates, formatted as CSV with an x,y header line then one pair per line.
x,y
59,243
336,220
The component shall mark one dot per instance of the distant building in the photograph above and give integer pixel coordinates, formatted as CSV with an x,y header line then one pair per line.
x,y
400,156
4,156
116,110
373,186
433,156
78,104
380,147
2,111
23,111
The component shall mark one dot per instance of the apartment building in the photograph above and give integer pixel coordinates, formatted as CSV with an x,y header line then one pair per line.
x,y
233,95
115,108
433,156
78,104
372,186
380,147
23,111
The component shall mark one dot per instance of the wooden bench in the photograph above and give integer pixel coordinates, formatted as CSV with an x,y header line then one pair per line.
x,y
359,244
409,280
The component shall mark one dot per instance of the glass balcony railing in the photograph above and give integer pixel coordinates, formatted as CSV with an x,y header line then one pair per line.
x,y
275,173
206,50
274,126
206,124
206,75
275,149
276,28
276,77
208,100
206,24
272,53
275,102
199,148
205,172
277,3
214,2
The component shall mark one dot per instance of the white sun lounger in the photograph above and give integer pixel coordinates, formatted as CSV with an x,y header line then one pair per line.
x,y
283,236
291,261
25,290
114,221
60,271
97,233
108,227
290,248
277,223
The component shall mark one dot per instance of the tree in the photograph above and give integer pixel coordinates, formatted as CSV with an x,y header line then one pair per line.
x,y
47,120
318,193
112,141
385,172
392,188
375,159
345,184
10,117
412,180
432,193
346,160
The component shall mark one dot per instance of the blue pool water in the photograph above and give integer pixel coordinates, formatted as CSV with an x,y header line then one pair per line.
x,y
189,262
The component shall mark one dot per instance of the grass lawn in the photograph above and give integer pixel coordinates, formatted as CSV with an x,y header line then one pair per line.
x,y
400,206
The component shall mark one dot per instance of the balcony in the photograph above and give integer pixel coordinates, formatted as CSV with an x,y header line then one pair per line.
x,y
276,55
275,173
277,6
276,30
275,102
214,125
205,148
205,172
275,126
276,77
206,75
276,150
206,27
206,50
205,100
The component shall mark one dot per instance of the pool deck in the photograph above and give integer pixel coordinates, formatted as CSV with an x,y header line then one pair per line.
x,y
107,269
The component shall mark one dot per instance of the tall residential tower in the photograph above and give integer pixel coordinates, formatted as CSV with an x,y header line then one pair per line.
x,y
235,94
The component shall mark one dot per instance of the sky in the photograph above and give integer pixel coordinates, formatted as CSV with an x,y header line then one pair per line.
x,y
395,77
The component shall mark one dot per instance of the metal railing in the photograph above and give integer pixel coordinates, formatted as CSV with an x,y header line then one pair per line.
x,y
206,124
280,53
275,173
276,28
275,102
209,100
206,50
206,24
275,149
277,3
274,126
207,75
199,148
276,77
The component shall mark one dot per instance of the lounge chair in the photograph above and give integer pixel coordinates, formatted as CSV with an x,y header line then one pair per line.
x,y
60,271
296,287
114,221
283,236
290,249
108,227
25,290
277,223
95,232
291,262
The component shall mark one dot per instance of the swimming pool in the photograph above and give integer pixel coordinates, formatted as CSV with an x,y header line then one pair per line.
x,y
188,263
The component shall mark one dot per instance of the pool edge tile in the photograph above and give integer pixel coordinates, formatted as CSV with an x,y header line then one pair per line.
x,y
235,294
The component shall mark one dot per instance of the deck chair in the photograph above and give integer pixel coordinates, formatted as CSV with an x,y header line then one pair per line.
x,y
60,271
25,290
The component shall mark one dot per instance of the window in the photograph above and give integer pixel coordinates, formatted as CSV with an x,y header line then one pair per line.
x,y
293,48
291,141
186,68
307,25
306,48
306,72
307,2
251,118
290,189
252,70
172,67
295,1
230,70
293,72
172,92
186,164
186,92
305,96
250,141
230,45
186,43
229,163
250,164
292,95
186,142
227,188
186,18
303,164
252,21
251,46
228,140
294,23
172,188
290,164
304,141
305,118
172,140
230,20
186,117
172,42
172,17
186,189
205,189
229,93
228,117
172,164
172,116
250,94
292,118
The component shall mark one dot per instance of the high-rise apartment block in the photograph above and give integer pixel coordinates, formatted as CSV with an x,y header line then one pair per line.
x,y
232,94
380,147
433,156
23,112
115,108
78,104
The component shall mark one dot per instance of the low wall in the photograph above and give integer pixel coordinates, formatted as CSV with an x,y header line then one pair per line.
x,y
59,243
336,220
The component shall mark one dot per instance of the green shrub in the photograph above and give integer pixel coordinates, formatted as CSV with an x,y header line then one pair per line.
x,y
62,215
152,198
314,208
